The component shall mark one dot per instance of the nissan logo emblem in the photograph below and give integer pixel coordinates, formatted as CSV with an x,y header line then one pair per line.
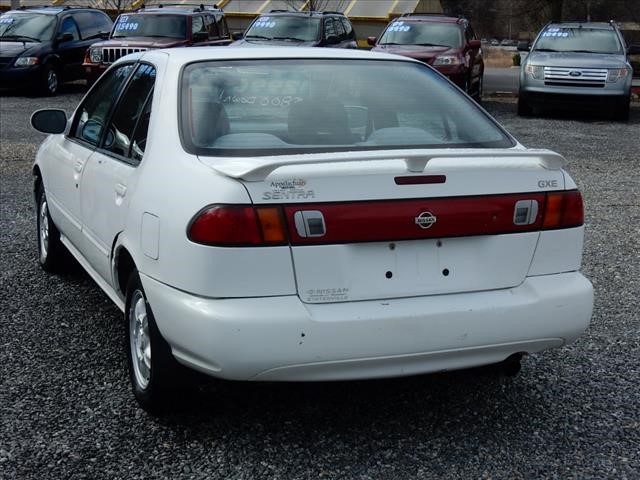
x,y
425,220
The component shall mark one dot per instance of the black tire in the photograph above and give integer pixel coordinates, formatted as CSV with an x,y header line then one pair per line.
x,y
50,80
524,109
621,111
155,388
52,254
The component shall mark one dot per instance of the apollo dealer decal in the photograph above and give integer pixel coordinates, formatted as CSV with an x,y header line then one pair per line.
x,y
289,189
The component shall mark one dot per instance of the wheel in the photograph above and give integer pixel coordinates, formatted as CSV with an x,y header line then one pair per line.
x,y
51,253
153,370
478,95
50,80
524,109
621,111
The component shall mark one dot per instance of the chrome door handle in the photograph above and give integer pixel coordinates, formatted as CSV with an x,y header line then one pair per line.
x,y
120,189
78,166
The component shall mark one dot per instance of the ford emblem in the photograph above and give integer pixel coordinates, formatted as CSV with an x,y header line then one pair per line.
x,y
575,73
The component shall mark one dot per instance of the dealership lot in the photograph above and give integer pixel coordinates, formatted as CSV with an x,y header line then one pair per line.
x,y
67,410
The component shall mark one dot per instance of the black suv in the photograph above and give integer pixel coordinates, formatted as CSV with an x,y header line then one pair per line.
x,y
165,26
303,29
44,46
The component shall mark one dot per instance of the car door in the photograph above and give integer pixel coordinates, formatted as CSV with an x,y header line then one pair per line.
x,y
111,173
71,52
64,177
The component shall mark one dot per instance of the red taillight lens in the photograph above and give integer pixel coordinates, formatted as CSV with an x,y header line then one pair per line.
x,y
563,210
238,225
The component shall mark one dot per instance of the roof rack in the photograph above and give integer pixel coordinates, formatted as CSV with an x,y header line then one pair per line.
x,y
330,12
197,7
53,7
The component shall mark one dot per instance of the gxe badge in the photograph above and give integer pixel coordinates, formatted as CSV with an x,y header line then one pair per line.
x,y
425,220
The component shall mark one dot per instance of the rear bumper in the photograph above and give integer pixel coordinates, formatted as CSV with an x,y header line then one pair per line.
x,y
283,339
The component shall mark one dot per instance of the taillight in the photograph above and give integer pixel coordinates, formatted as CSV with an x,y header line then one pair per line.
x,y
563,210
237,226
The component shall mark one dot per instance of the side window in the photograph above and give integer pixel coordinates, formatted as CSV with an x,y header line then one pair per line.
x,y
89,121
197,26
339,29
128,121
222,26
212,27
348,28
69,26
329,29
92,23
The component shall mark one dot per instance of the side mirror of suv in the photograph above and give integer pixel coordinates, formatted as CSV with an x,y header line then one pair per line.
x,y
104,35
474,44
523,46
372,41
64,37
237,35
634,49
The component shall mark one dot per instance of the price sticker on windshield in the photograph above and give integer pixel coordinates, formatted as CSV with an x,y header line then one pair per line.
x,y
6,19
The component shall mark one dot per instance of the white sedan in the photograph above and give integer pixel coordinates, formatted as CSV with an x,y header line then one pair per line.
x,y
308,214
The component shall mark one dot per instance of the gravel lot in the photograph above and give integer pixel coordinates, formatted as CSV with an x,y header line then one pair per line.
x,y
67,412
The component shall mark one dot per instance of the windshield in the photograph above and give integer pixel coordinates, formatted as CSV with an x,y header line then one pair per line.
x,y
420,33
591,40
35,27
172,26
267,107
298,28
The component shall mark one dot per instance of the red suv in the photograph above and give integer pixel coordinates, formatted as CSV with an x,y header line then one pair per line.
x,y
159,27
446,43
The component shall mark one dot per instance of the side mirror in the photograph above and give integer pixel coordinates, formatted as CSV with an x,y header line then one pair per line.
x,y
65,37
237,35
372,41
523,46
49,121
474,44
634,49
104,35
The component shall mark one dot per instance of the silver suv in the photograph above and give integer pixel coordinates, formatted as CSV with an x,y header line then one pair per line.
x,y
576,64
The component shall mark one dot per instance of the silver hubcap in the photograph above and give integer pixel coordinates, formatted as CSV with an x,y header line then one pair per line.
x,y
44,230
52,81
139,339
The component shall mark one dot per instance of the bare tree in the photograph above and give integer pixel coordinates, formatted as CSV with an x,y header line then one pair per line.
x,y
319,5
117,6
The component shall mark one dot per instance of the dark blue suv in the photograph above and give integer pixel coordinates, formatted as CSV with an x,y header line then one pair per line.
x,y
45,46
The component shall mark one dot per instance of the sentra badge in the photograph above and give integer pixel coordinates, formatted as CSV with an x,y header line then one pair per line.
x,y
425,220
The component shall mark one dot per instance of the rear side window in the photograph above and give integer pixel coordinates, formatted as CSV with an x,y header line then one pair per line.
x,y
271,107
329,28
348,28
129,114
90,120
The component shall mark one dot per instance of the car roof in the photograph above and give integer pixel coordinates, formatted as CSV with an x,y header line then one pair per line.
x,y
174,10
188,55
53,10
284,13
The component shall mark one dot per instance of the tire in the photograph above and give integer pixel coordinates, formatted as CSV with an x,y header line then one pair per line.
x,y
50,80
52,255
524,109
153,371
621,111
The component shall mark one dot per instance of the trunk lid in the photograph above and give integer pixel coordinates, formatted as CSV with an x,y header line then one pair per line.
x,y
406,226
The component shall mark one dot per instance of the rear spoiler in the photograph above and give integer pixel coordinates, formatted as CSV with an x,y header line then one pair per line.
x,y
256,169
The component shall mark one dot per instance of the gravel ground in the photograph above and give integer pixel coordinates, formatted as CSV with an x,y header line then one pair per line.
x,y
67,412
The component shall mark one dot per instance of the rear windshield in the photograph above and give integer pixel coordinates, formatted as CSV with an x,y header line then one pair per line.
x,y
298,28
267,107
171,26
35,27
589,40
419,33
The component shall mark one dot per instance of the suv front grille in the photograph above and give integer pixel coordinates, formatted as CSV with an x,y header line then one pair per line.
x,y
111,54
575,77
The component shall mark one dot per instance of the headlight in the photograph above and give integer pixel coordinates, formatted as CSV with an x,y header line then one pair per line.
x,y
535,71
96,55
616,74
26,61
447,60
